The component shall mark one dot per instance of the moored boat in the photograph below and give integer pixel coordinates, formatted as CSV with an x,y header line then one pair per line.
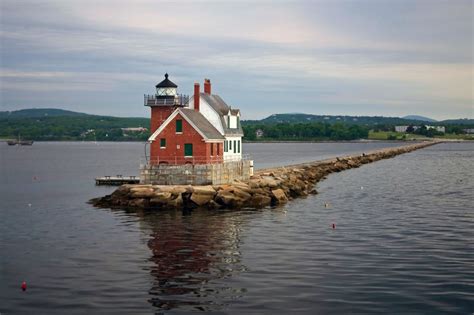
x,y
20,142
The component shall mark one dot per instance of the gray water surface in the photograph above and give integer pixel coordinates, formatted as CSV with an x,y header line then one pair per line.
x,y
403,242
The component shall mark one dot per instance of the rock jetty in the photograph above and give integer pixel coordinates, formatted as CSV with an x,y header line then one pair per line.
x,y
268,187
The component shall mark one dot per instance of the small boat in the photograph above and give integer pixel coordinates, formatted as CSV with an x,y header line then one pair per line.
x,y
20,142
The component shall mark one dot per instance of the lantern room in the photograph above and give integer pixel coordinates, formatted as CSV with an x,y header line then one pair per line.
x,y
166,88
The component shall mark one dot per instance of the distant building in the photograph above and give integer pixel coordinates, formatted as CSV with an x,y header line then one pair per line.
x,y
85,133
134,129
259,133
437,128
405,128
469,130
401,128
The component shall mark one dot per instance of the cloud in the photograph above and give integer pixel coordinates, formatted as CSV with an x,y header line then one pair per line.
x,y
377,55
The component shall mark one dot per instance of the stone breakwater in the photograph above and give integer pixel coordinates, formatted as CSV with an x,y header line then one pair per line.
x,y
268,187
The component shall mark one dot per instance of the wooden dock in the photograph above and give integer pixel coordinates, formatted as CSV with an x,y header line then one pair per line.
x,y
116,180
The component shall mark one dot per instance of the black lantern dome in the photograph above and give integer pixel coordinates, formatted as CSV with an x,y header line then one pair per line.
x,y
166,95
166,83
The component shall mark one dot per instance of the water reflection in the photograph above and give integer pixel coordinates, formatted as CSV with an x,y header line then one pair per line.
x,y
193,253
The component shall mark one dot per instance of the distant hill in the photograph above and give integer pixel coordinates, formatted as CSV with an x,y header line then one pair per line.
x,y
421,118
39,112
299,118
56,124
353,120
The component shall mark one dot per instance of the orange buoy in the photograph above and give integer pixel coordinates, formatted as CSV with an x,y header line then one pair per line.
x,y
23,285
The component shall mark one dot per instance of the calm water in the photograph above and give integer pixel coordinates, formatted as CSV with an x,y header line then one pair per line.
x,y
403,243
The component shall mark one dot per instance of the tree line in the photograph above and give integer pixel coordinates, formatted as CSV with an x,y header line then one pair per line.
x,y
87,128
106,128
305,131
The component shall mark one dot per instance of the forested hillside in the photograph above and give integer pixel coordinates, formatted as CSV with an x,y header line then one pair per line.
x,y
88,128
58,124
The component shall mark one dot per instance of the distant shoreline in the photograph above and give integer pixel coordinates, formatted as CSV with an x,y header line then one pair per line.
x,y
331,141
274,141
265,141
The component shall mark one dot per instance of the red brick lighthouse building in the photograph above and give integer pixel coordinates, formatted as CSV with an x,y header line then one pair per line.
x,y
202,129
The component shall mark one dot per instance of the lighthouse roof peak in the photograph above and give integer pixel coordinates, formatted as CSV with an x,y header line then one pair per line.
x,y
166,83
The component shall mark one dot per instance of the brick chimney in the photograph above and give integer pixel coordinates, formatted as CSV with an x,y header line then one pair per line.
x,y
197,96
207,86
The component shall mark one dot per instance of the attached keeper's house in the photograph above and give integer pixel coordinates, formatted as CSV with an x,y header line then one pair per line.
x,y
191,136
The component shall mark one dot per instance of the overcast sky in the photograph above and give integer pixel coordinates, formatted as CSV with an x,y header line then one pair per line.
x,y
390,58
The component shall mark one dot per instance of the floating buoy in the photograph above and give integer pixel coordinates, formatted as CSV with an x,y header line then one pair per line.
x,y
333,226
361,187
326,205
29,205
23,286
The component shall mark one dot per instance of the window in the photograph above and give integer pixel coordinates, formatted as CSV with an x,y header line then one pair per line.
x,y
235,147
238,146
188,149
212,149
225,146
230,145
179,125
166,91
218,149
162,143
228,121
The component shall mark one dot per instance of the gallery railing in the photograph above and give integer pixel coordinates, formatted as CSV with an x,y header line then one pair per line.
x,y
178,100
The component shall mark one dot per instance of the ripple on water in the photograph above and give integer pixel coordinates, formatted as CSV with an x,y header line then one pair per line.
x,y
402,244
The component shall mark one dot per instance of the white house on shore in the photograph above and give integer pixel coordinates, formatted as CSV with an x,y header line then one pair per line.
x,y
405,128
437,128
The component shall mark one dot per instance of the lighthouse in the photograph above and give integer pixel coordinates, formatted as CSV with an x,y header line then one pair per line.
x,y
194,138
164,102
